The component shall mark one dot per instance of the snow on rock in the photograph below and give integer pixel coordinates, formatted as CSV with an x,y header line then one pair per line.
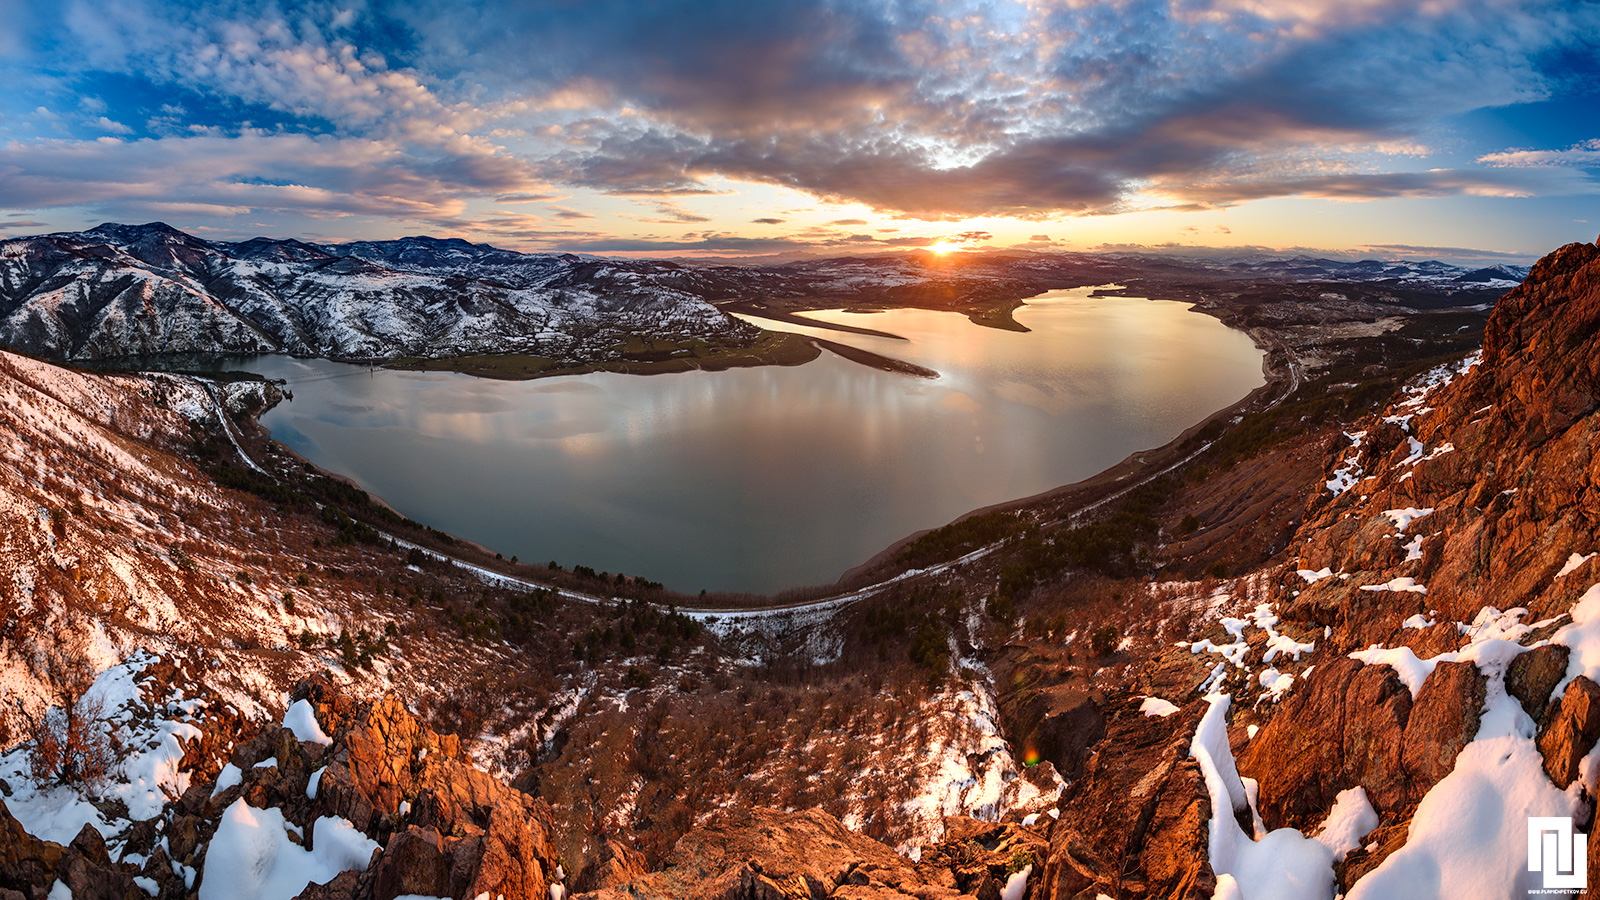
x,y
1313,577
1414,549
1349,470
1351,819
1276,683
1155,706
1400,518
252,858
1418,621
1397,584
1017,885
1284,864
965,768
1469,837
302,720
227,778
1411,670
145,777
1573,562
1492,635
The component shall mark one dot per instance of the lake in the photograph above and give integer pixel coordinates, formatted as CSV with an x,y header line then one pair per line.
x,y
769,478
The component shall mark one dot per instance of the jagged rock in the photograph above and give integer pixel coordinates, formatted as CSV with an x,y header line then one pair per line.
x,y
30,866
614,864
1533,675
414,862
347,885
1572,730
1343,726
983,855
87,870
449,828
773,855
1443,720
1135,821
1511,467
27,864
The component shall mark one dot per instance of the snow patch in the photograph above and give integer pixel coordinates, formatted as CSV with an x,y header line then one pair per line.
x,y
302,720
1155,706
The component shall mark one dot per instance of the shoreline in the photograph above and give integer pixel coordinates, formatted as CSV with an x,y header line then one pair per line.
x,y
1280,371
1280,379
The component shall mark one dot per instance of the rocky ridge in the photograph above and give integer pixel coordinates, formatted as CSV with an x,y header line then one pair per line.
x,y
341,775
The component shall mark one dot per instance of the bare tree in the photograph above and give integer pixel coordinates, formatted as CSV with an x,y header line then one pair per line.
x,y
68,743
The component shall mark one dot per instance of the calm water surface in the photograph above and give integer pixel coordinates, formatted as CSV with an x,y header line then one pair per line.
x,y
769,478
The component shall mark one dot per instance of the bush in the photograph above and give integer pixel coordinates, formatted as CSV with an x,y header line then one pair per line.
x,y
1189,525
70,747
1103,640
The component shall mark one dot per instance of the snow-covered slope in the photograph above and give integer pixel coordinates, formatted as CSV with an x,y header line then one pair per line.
x,y
121,290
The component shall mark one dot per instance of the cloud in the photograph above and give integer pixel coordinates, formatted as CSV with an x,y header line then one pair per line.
x,y
222,175
914,109
718,242
1432,183
1458,253
1585,153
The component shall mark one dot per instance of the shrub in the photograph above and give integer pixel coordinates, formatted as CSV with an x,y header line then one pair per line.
x,y
1189,525
1103,640
70,747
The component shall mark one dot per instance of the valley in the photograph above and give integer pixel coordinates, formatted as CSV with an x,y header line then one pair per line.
x,y
956,702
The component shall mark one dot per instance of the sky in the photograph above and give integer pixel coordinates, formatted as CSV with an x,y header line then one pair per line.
x,y
1466,130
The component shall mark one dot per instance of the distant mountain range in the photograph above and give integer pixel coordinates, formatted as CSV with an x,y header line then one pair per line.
x,y
136,290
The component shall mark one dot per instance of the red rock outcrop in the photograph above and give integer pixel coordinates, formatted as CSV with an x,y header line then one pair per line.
x,y
809,855
1509,464
1134,824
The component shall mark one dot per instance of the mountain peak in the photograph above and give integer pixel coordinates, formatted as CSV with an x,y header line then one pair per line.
x,y
134,232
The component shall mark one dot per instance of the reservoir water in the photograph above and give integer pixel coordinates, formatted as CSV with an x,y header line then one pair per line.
x,y
769,478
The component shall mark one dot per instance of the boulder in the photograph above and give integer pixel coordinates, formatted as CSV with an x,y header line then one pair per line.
x,y
448,827
1532,676
27,864
1342,726
1571,731
1444,719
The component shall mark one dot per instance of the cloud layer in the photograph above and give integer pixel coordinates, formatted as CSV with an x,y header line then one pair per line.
x,y
432,111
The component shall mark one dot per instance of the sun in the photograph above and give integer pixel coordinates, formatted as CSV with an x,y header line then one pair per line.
x,y
944,247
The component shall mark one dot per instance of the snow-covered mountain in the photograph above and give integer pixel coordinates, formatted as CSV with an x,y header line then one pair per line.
x,y
124,290
137,290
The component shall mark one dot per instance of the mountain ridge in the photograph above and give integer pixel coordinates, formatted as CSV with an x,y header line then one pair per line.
x,y
118,291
